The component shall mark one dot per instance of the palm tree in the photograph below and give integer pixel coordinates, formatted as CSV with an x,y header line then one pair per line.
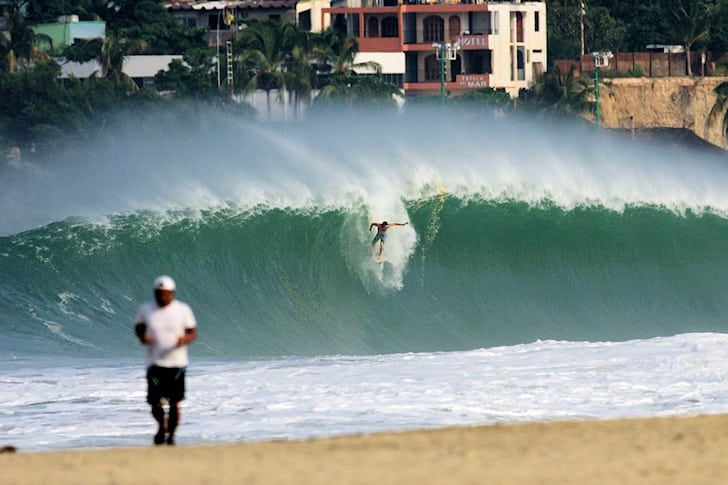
x,y
336,53
267,47
110,53
563,93
690,20
21,42
300,73
353,90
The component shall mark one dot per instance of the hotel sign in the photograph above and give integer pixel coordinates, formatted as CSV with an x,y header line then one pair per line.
x,y
473,80
472,41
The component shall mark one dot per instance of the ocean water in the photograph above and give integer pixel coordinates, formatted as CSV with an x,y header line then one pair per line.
x,y
548,271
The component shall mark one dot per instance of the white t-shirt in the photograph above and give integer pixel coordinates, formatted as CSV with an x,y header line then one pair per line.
x,y
166,325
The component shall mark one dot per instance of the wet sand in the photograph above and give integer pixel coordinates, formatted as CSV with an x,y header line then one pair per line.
x,y
641,451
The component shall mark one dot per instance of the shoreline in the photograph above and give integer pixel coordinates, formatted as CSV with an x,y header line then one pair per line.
x,y
644,450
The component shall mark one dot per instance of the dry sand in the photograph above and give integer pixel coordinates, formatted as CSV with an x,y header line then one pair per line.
x,y
662,450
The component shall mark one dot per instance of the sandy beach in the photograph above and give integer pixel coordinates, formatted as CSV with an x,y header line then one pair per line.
x,y
661,450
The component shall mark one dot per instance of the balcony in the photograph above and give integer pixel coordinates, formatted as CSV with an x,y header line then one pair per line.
x,y
379,44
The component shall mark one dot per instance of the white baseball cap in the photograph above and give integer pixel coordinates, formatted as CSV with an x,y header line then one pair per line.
x,y
164,282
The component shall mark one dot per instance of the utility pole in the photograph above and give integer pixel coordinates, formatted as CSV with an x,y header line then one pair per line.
x,y
217,59
598,109
582,12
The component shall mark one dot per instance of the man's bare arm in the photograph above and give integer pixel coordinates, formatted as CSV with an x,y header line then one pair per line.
x,y
189,337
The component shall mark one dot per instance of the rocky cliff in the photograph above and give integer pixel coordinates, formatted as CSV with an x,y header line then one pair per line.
x,y
674,102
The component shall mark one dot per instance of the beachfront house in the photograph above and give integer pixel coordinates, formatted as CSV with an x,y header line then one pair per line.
x,y
423,46
68,30
458,45
221,17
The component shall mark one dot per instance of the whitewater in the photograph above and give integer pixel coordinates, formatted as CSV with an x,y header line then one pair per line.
x,y
549,271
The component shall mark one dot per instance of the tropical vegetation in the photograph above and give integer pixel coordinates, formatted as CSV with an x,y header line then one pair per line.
x,y
628,26
292,66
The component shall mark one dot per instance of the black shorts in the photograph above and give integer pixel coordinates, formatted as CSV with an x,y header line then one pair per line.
x,y
165,382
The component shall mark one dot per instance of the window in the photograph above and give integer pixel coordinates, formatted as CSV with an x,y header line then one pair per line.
x,y
304,20
395,79
390,27
536,22
479,62
454,27
373,27
432,68
434,29
188,22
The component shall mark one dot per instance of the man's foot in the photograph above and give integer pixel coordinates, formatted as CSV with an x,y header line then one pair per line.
x,y
159,437
170,440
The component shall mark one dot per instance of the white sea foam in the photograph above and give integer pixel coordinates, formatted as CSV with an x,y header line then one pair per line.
x,y
369,162
85,404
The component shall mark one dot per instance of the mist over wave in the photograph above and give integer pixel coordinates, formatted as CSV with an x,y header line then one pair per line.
x,y
160,162
518,231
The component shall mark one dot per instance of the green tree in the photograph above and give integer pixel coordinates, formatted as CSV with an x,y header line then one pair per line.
x,y
350,90
192,78
486,97
36,109
602,32
300,72
335,53
718,41
148,21
266,48
563,32
690,22
48,11
557,93
335,56
141,20
110,53
19,45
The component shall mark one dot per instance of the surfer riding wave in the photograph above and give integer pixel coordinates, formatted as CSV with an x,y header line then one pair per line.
x,y
381,236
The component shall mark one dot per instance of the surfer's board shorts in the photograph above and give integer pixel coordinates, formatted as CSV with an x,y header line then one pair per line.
x,y
379,237
165,382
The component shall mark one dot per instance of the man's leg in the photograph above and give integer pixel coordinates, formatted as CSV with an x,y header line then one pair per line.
x,y
173,421
381,248
158,413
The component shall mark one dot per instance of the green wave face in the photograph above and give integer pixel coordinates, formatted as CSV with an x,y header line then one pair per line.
x,y
518,230
464,274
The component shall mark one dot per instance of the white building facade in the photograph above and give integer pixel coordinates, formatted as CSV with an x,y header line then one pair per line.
x,y
499,45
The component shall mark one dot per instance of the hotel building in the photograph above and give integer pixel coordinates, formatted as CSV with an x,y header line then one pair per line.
x,y
497,44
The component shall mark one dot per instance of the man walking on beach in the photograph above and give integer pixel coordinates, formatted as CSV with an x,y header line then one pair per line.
x,y
382,232
166,326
